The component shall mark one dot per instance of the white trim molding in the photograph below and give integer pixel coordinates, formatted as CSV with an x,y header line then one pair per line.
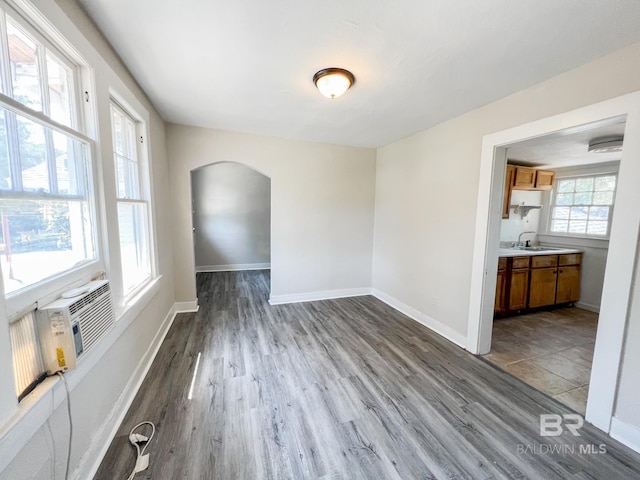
x,y
423,319
616,294
91,459
588,306
185,307
625,433
233,267
315,296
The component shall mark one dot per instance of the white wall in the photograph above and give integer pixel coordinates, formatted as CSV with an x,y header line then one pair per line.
x,y
427,189
95,395
231,217
512,227
322,199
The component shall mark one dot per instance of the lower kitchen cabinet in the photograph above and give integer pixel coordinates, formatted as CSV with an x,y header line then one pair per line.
x,y
542,291
518,289
533,281
501,287
568,289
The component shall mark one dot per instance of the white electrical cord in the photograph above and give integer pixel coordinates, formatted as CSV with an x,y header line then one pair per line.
x,y
142,460
66,387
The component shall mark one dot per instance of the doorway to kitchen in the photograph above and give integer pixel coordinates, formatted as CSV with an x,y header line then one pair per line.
x,y
557,209
231,215
620,261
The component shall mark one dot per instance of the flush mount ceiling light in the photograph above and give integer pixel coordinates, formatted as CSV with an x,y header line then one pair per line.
x,y
333,82
612,143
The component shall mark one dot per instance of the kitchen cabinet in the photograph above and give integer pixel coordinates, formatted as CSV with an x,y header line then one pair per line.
x,y
518,283
543,287
501,287
508,187
568,286
544,179
524,178
533,281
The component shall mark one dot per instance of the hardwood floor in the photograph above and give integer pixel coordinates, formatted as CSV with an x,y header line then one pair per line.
x,y
345,388
549,350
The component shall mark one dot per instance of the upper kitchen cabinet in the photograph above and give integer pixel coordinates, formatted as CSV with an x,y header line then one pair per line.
x,y
508,186
544,179
525,178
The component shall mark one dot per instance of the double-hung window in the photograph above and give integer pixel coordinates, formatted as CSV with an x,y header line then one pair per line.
x,y
132,191
583,206
47,216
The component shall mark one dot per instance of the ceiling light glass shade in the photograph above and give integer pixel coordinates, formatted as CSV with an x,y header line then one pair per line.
x,y
333,82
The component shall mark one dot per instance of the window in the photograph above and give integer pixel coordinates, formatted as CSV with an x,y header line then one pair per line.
x,y
583,205
46,216
132,191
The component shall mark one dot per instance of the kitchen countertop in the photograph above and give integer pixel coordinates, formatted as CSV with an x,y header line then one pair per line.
x,y
511,252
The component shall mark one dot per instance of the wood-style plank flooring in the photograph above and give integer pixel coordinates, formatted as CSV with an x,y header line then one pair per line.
x,y
549,350
346,388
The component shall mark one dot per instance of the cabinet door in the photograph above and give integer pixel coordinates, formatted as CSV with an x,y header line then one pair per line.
x,y
501,288
542,290
518,289
508,186
544,179
568,284
525,178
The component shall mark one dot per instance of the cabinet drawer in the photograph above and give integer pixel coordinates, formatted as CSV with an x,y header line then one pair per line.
x,y
541,261
570,259
502,263
520,262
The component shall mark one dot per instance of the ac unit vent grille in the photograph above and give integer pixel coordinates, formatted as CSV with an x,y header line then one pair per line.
x,y
88,299
95,321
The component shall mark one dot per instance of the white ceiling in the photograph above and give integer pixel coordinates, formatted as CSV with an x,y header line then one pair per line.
x,y
567,148
247,65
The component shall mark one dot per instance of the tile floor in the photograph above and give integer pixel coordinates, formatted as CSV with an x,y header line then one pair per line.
x,y
551,351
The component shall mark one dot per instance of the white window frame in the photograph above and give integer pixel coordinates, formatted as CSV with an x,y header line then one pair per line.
x,y
575,176
24,299
145,196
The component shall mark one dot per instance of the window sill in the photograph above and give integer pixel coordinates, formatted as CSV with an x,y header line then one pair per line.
x,y
573,241
37,407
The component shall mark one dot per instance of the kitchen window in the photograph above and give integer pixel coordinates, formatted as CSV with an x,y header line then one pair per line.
x,y
583,206
133,194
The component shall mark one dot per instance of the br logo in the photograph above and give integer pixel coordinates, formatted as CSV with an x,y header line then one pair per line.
x,y
552,425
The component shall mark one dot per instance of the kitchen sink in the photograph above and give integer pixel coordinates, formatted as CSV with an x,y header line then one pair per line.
x,y
535,249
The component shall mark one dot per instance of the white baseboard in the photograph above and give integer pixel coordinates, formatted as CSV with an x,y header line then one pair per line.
x,y
426,320
233,268
314,296
625,433
185,307
586,306
90,461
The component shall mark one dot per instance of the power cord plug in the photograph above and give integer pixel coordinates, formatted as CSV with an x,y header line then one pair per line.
x,y
136,439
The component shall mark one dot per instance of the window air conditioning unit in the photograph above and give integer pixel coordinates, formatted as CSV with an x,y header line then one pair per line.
x,y
70,326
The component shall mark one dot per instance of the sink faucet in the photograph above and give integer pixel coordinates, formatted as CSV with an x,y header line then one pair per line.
x,y
523,233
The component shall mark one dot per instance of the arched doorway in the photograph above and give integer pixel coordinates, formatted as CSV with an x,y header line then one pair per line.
x,y
231,214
